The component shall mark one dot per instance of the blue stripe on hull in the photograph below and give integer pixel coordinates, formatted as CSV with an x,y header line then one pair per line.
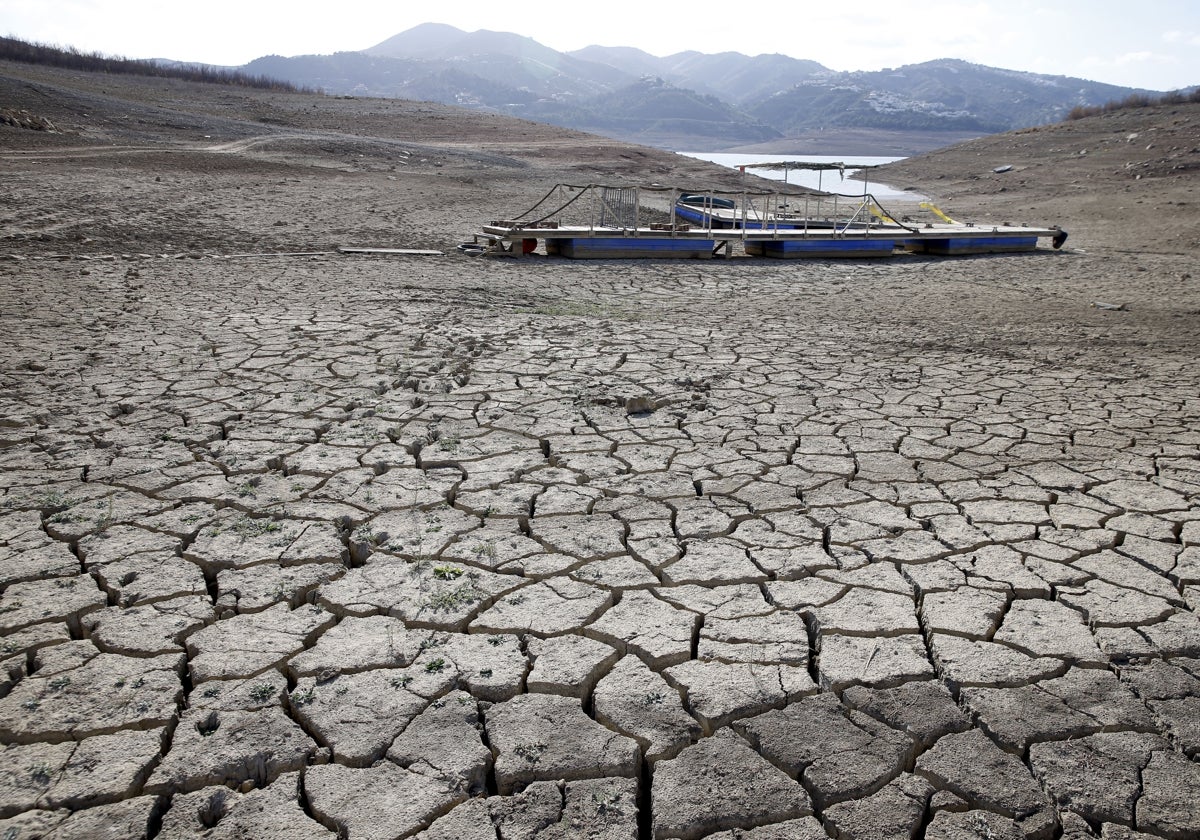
x,y
698,217
627,247
972,245
820,248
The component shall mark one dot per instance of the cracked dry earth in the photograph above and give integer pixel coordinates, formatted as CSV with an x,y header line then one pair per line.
x,y
307,548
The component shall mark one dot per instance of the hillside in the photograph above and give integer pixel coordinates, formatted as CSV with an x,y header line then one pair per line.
x,y
715,102
1129,179
1124,178
231,159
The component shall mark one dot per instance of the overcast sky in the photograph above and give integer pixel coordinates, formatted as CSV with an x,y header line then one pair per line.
x,y
1151,44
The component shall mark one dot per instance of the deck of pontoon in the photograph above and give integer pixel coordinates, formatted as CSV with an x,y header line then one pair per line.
x,y
621,227
581,242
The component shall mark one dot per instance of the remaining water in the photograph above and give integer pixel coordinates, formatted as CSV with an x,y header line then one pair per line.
x,y
829,180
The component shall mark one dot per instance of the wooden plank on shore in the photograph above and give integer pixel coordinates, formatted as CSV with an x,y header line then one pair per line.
x,y
409,252
267,254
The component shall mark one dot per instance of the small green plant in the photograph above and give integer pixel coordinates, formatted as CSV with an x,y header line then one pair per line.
x,y
653,698
59,683
249,528
450,599
401,682
495,641
435,666
261,692
341,690
211,691
364,534
530,752
108,517
139,682
304,698
51,499
446,572
486,673
608,803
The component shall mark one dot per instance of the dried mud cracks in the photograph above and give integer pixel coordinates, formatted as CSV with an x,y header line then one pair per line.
x,y
294,551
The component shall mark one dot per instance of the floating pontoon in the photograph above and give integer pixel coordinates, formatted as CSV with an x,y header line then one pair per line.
x,y
619,222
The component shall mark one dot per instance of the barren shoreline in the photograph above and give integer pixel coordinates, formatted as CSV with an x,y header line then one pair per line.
x,y
441,547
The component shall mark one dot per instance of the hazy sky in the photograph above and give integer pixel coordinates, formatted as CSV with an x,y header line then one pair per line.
x,y
1152,44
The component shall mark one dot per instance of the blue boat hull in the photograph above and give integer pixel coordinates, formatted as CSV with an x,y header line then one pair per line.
x,y
699,217
821,248
629,247
972,245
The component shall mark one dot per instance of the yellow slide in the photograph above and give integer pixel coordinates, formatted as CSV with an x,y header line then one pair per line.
x,y
883,217
926,205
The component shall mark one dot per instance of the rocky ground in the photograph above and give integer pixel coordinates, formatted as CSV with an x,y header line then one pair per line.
x,y
441,547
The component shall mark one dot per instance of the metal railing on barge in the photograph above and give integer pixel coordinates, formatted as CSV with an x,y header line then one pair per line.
x,y
604,221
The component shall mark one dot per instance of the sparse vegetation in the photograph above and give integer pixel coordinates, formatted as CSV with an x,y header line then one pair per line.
x,y
248,528
1134,100
51,499
530,752
14,49
448,599
261,692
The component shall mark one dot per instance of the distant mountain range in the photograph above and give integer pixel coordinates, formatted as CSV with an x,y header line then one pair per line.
x,y
692,100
